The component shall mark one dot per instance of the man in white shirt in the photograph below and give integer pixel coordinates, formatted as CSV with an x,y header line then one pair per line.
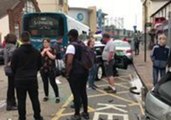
x,y
77,76
108,58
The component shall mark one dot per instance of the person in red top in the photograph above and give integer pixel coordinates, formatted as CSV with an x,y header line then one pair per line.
x,y
125,39
4,42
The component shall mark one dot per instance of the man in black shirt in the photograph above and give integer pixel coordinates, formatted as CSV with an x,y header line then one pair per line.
x,y
77,76
26,61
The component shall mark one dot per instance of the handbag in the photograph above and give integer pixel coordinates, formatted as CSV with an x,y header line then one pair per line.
x,y
57,69
8,71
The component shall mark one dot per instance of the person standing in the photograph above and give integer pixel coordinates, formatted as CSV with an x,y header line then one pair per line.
x,y
93,70
59,48
10,46
108,58
48,70
76,75
159,56
136,44
25,63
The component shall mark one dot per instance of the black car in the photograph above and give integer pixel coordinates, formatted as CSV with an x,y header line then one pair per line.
x,y
120,61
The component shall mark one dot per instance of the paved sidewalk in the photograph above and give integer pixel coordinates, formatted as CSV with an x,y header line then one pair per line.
x,y
144,69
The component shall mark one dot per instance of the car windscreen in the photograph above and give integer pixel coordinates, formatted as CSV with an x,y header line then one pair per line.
x,y
121,44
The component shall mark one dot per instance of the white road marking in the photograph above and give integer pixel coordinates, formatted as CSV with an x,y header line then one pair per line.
x,y
112,106
2,103
109,115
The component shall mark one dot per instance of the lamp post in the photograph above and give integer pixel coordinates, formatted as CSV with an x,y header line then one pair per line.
x,y
145,32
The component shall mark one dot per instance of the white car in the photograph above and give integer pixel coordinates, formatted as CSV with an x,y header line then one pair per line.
x,y
123,48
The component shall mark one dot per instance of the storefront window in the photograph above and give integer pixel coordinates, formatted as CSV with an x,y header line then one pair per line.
x,y
29,7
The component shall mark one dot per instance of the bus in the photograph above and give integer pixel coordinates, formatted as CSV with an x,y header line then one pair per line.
x,y
51,25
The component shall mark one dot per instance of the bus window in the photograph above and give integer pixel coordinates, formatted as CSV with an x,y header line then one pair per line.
x,y
44,26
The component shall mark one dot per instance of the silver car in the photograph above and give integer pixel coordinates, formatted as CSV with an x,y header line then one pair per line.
x,y
158,104
124,48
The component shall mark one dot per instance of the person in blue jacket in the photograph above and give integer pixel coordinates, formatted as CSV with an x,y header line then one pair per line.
x,y
159,57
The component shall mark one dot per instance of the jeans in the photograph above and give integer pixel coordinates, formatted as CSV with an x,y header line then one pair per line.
x,y
46,77
32,90
156,72
11,101
77,84
92,75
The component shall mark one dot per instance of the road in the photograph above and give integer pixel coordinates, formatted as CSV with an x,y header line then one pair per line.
x,y
102,106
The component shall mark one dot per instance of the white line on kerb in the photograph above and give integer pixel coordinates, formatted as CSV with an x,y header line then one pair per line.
x,y
2,103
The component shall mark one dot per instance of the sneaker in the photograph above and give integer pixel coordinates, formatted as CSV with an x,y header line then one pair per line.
x,y
11,108
93,88
75,117
85,115
72,106
57,100
57,81
107,88
45,99
41,118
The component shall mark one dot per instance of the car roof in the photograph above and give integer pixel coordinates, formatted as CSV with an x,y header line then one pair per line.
x,y
120,41
98,44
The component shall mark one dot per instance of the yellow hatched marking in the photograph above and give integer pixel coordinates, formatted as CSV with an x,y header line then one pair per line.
x,y
134,104
121,85
123,99
59,113
140,106
92,96
90,109
122,92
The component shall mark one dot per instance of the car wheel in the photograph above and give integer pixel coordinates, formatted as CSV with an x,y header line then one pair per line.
x,y
99,73
125,65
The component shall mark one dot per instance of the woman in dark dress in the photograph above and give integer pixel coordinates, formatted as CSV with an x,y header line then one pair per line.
x,y
48,69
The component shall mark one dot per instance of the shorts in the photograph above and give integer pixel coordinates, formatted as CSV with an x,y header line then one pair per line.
x,y
108,66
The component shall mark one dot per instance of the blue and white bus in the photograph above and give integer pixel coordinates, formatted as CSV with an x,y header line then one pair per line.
x,y
51,25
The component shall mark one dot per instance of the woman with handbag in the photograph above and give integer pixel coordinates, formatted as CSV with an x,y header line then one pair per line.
x,y
9,48
48,69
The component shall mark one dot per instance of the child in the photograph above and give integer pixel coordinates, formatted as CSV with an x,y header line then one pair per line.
x,y
159,57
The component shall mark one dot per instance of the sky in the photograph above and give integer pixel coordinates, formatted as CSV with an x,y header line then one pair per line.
x,y
130,10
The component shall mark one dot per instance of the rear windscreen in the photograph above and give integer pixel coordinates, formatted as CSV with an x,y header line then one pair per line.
x,y
44,25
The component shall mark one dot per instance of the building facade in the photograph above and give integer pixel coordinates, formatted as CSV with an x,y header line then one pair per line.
x,y
90,16
150,7
11,13
53,5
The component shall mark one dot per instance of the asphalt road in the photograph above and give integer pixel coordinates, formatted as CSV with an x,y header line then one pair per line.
x,y
102,106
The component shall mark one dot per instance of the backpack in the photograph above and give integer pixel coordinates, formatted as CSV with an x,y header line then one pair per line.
x,y
86,55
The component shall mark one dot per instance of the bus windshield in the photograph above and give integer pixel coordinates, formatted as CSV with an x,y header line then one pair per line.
x,y
44,26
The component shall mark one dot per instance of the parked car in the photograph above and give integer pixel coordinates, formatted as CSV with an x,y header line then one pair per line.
x,y
1,54
123,48
158,103
120,61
